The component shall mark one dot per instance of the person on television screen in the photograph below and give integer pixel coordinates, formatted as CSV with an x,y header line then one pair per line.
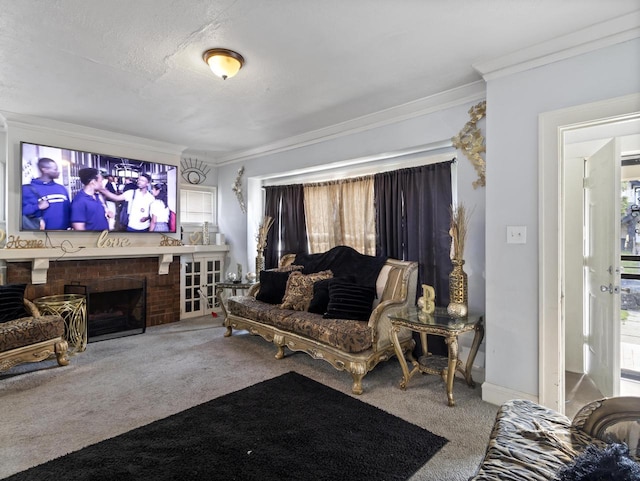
x,y
129,184
46,201
110,184
88,210
159,209
138,204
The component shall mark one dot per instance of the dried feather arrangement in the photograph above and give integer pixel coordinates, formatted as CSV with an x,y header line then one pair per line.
x,y
263,230
460,216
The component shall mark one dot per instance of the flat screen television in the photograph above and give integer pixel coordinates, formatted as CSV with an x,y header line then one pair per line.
x,y
71,190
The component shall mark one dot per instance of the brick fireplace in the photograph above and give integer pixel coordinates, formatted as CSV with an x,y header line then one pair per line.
x,y
163,291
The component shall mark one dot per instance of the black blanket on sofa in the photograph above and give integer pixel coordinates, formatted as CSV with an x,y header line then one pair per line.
x,y
343,261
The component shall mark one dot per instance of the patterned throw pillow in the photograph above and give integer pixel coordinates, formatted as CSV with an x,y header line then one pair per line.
x,y
300,289
350,301
289,268
12,302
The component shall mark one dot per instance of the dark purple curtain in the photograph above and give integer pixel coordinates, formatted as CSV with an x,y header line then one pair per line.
x,y
288,235
412,223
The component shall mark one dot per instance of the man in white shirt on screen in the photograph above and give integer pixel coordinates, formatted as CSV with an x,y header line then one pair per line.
x,y
138,203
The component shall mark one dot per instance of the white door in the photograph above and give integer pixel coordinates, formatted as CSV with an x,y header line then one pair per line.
x,y
602,267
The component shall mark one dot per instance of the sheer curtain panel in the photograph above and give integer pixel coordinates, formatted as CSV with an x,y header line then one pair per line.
x,y
341,213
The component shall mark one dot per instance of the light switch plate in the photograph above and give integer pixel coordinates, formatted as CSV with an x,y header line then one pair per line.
x,y
516,234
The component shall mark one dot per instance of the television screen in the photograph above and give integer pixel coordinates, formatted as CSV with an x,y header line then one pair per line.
x,y
64,189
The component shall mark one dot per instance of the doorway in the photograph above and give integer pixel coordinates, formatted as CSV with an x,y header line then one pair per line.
x,y
602,314
630,275
554,277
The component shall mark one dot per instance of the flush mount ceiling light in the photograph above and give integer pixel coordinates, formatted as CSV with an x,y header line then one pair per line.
x,y
223,62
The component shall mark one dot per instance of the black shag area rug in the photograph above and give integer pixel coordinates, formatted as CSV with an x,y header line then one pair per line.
x,y
289,427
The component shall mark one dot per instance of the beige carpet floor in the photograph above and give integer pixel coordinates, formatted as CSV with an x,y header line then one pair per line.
x,y
120,384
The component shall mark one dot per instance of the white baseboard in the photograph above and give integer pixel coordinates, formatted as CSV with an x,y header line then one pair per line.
x,y
497,395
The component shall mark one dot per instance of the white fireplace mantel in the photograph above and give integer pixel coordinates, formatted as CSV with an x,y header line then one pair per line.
x,y
40,258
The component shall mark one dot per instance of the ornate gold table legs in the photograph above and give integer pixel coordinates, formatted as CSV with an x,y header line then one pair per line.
x,y
428,363
406,375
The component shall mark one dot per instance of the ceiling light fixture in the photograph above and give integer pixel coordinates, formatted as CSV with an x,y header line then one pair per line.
x,y
223,62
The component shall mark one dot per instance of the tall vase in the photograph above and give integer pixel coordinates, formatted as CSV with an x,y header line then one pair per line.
x,y
259,263
205,234
458,297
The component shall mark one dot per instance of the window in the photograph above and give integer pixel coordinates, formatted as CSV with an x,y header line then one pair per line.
x,y
198,206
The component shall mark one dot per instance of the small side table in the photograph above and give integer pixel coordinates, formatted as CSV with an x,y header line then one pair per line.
x,y
234,287
440,324
73,309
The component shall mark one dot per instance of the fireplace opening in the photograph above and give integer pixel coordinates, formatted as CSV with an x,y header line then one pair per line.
x,y
116,306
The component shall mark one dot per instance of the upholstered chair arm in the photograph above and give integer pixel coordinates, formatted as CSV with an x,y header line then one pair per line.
x,y
615,419
403,296
31,308
253,290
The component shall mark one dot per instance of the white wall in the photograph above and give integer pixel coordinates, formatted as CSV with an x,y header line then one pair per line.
x,y
514,104
425,129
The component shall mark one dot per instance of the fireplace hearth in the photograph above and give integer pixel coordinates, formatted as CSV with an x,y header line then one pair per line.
x,y
116,306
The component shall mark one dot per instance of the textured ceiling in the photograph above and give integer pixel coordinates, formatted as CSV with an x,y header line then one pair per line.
x,y
136,66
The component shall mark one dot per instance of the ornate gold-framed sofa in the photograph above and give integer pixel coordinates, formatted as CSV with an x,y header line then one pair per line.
x,y
354,346
532,442
32,338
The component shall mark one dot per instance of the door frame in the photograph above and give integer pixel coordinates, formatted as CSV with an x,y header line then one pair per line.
x,y
552,126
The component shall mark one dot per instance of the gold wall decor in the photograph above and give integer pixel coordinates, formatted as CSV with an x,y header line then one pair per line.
x,y
105,241
237,188
15,242
3,236
165,240
471,142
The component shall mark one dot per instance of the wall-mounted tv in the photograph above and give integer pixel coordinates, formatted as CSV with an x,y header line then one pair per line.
x,y
72,190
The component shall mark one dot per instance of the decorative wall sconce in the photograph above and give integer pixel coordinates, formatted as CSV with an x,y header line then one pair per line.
x,y
194,171
223,62
237,188
471,142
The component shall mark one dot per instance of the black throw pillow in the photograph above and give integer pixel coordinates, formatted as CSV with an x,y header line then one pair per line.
x,y
320,299
273,285
12,302
349,301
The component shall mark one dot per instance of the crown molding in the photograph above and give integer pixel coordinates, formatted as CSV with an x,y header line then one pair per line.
x,y
594,37
57,127
444,100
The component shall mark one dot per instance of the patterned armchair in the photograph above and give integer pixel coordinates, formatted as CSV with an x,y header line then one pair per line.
x,y
25,334
531,442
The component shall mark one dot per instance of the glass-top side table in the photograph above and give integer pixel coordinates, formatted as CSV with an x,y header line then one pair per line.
x,y
73,309
440,324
